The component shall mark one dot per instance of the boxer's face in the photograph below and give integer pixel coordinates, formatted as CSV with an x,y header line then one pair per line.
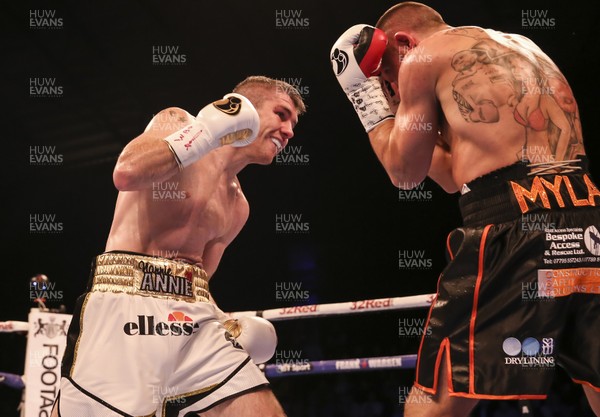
x,y
278,117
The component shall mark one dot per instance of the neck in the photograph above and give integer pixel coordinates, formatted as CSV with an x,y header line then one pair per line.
x,y
230,160
433,31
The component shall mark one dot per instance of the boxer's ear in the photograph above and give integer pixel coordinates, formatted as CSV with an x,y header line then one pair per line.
x,y
404,42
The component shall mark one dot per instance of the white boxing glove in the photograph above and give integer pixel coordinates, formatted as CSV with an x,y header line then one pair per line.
x,y
232,120
356,58
256,335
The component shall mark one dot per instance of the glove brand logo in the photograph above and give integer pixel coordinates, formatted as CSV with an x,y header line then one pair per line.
x,y
229,105
340,59
178,325
231,339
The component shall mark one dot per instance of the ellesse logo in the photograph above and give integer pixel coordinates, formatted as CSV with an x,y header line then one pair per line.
x,y
229,105
178,324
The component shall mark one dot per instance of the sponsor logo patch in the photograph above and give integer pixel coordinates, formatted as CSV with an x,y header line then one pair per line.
x,y
177,324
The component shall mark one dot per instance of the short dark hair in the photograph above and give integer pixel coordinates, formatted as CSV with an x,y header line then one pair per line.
x,y
410,15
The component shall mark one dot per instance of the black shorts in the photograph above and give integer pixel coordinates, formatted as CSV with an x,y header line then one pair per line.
x,y
521,293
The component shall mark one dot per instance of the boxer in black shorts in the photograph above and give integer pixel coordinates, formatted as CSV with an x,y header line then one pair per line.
x,y
520,294
489,114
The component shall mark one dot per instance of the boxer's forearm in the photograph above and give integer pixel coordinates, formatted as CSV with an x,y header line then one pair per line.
x,y
390,154
380,142
144,161
174,140
405,155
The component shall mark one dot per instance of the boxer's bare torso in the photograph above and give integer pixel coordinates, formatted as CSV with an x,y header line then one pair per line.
x,y
180,198
495,98
195,213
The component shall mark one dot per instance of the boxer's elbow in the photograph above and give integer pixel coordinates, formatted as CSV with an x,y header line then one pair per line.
x,y
124,176
404,179
405,183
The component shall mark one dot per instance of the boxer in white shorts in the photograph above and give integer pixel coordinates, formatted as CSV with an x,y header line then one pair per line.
x,y
146,338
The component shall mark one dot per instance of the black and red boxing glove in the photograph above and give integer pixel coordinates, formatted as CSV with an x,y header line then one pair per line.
x,y
356,58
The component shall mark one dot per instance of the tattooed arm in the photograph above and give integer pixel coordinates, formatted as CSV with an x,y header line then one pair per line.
x,y
147,158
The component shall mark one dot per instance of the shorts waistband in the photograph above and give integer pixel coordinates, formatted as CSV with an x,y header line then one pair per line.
x,y
149,276
511,192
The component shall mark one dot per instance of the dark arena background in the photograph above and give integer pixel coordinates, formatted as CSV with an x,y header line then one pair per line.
x,y
81,79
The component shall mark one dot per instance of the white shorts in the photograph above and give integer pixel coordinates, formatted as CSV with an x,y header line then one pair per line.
x,y
134,355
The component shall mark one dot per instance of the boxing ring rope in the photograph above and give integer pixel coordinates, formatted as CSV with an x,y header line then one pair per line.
x,y
298,312
12,326
334,366
348,307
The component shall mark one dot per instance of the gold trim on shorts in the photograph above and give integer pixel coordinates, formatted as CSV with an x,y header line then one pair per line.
x,y
79,334
150,276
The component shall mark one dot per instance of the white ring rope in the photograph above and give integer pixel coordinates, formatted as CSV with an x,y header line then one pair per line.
x,y
296,312
348,307
299,312
12,326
